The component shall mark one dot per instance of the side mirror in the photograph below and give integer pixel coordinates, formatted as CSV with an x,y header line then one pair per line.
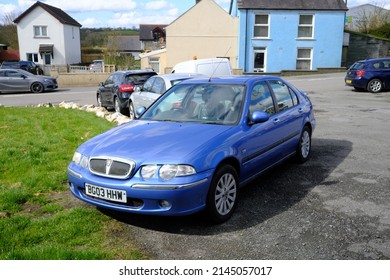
x,y
140,111
101,84
258,117
138,88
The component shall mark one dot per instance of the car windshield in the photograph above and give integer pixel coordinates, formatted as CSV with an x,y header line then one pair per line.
x,y
201,103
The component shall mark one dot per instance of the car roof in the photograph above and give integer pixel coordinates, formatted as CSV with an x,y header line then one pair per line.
x,y
373,59
142,71
239,79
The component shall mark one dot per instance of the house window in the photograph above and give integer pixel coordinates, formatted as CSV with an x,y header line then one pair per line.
x,y
304,59
261,29
305,27
154,62
40,31
32,57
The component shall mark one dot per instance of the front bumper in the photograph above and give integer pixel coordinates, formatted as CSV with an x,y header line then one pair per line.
x,y
182,196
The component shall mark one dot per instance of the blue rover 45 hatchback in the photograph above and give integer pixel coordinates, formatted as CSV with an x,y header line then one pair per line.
x,y
194,147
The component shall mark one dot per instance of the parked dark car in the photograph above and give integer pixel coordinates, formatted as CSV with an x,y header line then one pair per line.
x,y
28,66
194,147
370,74
116,90
18,80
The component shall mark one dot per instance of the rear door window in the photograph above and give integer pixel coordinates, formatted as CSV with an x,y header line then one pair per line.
x,y
285,97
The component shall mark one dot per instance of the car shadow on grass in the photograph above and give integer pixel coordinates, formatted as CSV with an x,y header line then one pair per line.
x,y
270,194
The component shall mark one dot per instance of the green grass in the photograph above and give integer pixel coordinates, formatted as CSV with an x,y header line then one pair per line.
x,y
39,218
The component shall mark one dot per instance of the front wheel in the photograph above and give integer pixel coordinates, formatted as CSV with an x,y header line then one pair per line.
x,y
37,87
131,110
304,146
222,195
99,101
375,86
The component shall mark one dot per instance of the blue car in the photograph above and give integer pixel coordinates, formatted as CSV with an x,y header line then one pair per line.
x,y
369,74
194,147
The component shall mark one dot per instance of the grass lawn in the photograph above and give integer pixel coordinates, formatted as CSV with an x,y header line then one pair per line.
x,y
39,217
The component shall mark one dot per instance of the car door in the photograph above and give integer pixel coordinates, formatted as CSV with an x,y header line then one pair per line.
x,y
158,88
15,81
105,90
139,97
259,147
288,118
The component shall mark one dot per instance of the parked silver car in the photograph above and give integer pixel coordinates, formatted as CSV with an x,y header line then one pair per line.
x,y
153,88
17,80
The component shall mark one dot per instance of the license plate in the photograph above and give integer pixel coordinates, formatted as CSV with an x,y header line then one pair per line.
x,y
348,81
106,193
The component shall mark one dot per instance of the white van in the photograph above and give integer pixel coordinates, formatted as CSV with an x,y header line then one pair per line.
x,y
207,66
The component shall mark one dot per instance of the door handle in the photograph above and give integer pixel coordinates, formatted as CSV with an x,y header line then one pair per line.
x,y
276,121
300,110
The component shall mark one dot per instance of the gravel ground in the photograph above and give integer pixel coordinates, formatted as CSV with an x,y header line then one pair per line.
x,y
335,206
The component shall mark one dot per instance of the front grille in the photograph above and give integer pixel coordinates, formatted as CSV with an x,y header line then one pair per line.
x,y
111,167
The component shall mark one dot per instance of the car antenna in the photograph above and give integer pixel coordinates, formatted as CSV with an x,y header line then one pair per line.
x,y
212,74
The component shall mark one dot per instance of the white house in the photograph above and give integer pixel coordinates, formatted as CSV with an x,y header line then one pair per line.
x,y
49,36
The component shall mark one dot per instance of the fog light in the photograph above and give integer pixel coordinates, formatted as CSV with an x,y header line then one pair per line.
x,y
164,203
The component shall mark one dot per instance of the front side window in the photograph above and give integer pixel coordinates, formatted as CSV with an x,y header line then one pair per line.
x,y
305,27
40,31
261,28
261,99
304,59
158,86
148,84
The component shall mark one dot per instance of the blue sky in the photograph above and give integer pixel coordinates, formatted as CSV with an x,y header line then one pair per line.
x,y
127,13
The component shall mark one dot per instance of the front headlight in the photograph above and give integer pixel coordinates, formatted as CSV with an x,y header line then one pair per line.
x,y
148,171
169,171
76,158
80,159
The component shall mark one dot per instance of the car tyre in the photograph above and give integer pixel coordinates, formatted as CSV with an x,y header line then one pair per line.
x,y
37,87
99,101
222,195
304,146
374,86
117,106
131,110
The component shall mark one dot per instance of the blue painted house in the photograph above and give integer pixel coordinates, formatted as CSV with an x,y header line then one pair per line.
x,y
277,35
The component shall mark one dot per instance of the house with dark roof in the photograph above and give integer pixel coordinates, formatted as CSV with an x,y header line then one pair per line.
x,y
125,45
290,34
152,36
47,35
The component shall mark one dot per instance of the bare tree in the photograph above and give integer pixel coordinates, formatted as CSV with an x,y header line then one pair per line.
x,y
371,20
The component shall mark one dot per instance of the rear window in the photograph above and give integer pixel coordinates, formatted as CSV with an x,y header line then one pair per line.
x,y
138,78
357,66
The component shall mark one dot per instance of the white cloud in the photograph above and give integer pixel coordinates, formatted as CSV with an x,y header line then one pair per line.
x,y
156,5
86,5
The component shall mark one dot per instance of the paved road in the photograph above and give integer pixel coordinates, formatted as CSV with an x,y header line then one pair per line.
x,y
80,95
335,206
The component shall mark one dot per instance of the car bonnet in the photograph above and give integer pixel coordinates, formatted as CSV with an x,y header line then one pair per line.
x,y
157,142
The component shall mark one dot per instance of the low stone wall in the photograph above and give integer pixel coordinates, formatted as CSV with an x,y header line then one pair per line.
x,y
79,79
